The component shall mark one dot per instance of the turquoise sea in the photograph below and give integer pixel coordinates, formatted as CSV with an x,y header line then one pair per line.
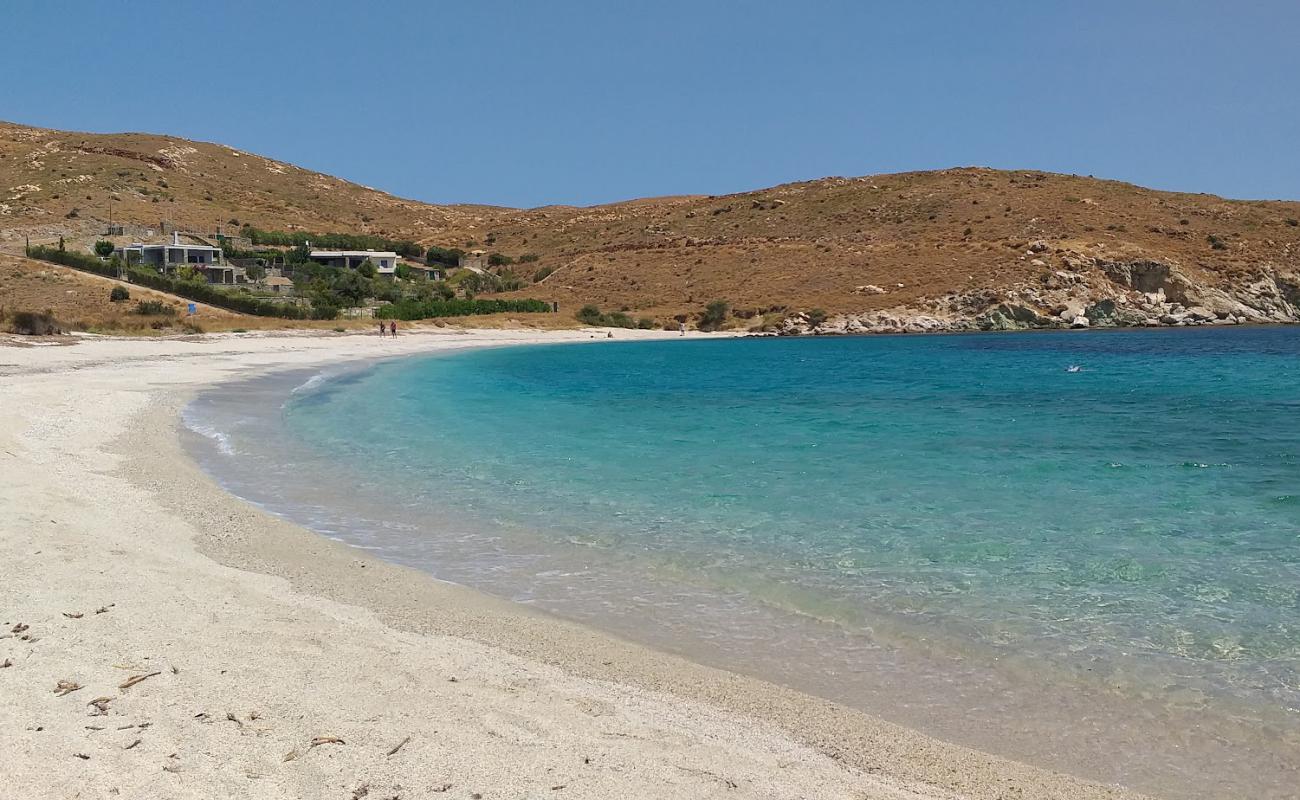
x,y
1096,570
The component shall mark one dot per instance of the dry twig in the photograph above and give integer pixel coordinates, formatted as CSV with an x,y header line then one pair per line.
x,y
66,687
399,746
77,615
320,740
133,680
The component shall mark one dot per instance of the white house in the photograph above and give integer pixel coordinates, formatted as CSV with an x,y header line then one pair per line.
x,y
385,261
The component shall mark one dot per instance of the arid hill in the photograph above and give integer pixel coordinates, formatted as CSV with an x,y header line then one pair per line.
x,y
948,249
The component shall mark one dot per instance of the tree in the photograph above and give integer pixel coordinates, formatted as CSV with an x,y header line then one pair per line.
x,y
103,248
367,269
352,287
119,294
447,256
404,272
715,314
189,274
255,272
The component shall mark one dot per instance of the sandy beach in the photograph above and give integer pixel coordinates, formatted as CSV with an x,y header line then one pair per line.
x,y
162,638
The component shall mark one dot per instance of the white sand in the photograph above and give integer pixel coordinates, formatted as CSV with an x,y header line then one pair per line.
x,y
120,559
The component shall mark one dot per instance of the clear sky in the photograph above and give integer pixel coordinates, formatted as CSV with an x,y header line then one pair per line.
x,y
550,101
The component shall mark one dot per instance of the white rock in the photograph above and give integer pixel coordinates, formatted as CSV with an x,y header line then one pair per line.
x,y
1080,322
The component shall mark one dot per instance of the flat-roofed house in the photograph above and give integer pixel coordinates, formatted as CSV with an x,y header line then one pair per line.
x,y
169,257
385,261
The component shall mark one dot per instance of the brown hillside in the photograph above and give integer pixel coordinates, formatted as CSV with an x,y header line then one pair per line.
x,y
921,238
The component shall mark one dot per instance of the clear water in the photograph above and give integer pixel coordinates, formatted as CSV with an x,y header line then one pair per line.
x,y
1102,567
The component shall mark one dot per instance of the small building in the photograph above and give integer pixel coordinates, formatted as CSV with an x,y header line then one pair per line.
x,y
169,257
385,261
279,284
426,271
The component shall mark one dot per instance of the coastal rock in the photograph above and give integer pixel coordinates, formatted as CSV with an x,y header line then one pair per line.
x,y
1070,310
1080,322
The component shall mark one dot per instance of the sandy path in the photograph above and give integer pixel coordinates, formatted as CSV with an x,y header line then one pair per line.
x,y
418,688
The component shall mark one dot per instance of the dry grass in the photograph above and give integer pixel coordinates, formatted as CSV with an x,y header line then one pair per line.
x,y
798,246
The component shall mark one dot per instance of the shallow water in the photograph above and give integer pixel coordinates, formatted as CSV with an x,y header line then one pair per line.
x,y
1098,571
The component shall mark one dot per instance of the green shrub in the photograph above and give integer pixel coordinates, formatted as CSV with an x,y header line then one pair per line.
x,y
103,248
715,314
119,294
542,274
1217,242
154,308
646,324
449,257
411,309
591,315
34,323
528,258
816,317
499,260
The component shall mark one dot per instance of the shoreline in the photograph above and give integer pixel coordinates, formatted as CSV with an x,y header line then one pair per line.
x,y
768,740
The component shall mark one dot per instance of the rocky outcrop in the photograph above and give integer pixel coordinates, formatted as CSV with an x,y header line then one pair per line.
x,y
1092,293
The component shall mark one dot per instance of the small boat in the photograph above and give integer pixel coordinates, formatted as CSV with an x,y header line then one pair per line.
x,y
1074,368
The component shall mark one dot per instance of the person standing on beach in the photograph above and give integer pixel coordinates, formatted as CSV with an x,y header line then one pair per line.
x,y
392,328
381,330
681,328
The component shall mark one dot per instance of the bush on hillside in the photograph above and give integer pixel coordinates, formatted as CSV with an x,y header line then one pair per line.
x,y
119,294
592,315
448,257
715,314
34,323
154,308
103,248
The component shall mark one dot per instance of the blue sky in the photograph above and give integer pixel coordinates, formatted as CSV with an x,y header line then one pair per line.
x,y
530,103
